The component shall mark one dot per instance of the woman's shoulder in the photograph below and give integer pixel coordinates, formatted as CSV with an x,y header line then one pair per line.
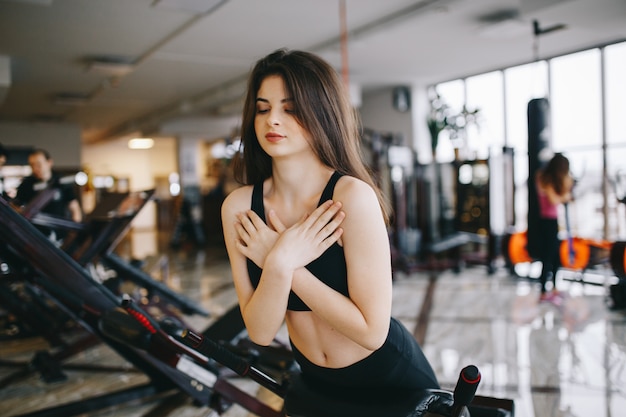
x,y
237,200
354,189
349,183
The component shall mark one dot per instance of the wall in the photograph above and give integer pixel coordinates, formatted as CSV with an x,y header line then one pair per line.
x,y
141,167
420,109
377,113
61,140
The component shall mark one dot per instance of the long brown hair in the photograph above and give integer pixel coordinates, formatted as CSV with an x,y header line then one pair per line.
x,y
554,173
322,107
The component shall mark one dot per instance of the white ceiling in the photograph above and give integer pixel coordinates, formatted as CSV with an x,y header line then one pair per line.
x,y
181,63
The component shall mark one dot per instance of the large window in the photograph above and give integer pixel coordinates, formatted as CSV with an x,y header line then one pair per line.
x,y
576,106
615,95
522,84
615,105
486,93
576,101
587,95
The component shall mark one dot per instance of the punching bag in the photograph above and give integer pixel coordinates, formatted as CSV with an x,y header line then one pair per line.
x,y
538,154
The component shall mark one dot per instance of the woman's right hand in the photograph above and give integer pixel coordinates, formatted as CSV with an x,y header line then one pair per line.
x,y
256,239
309,238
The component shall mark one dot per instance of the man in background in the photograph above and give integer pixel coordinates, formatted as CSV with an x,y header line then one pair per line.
x,y
64,204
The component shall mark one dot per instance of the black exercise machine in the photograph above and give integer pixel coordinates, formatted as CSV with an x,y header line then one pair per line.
x,y
95,239
71,287
105,227
92,243
300,399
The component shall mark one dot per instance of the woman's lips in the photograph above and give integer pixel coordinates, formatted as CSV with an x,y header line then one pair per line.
x,y
273,137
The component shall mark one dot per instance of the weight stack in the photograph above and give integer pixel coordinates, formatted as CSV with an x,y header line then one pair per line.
x,y
472,199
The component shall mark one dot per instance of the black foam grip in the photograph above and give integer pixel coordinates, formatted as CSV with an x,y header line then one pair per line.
x,y
469,378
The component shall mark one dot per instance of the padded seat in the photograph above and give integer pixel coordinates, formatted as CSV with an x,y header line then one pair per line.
x,y
304,401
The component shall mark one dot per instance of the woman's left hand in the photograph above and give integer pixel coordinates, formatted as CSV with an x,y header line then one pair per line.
x,y
256,238
308,238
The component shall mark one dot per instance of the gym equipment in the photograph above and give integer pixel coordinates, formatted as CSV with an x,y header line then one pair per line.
x,y
575,253
302,400
95,240
617,256
439,218
94,245
31,310
188,226
479,219
91,243
617,292
71,287
618,259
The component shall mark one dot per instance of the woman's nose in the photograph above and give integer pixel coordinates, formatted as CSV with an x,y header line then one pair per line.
x,y
273,119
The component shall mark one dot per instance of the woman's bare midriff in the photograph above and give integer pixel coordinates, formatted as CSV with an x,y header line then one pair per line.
x,y
320,343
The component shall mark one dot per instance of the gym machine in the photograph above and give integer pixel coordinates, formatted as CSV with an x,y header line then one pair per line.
x,y
73,290
454,221
30,310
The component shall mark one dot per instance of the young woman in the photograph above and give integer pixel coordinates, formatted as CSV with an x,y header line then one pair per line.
x,y
306,234
554,186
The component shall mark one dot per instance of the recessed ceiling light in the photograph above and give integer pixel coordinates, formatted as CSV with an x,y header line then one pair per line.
x,y
109,65
141,143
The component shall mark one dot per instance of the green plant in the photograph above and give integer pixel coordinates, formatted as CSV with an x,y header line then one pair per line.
x,y
441,117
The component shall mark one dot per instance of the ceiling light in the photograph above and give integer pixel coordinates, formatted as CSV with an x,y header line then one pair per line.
x,y
114,66
140,143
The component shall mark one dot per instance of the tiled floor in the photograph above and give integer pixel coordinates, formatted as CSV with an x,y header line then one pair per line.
x,y
553,361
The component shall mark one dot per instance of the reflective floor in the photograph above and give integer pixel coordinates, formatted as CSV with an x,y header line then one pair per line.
x,y
566,360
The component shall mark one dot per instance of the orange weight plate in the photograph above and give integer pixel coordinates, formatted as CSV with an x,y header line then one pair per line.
x,y
517,248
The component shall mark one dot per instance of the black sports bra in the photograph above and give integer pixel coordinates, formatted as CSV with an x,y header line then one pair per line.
x,y
330,267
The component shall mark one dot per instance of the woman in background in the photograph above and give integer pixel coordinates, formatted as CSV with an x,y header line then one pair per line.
x,y
554,187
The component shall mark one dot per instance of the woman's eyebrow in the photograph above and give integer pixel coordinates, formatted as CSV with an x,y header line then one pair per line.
x,y
264,100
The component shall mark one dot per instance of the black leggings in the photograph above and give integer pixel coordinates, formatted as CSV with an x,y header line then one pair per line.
x,y
399,363
549,245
